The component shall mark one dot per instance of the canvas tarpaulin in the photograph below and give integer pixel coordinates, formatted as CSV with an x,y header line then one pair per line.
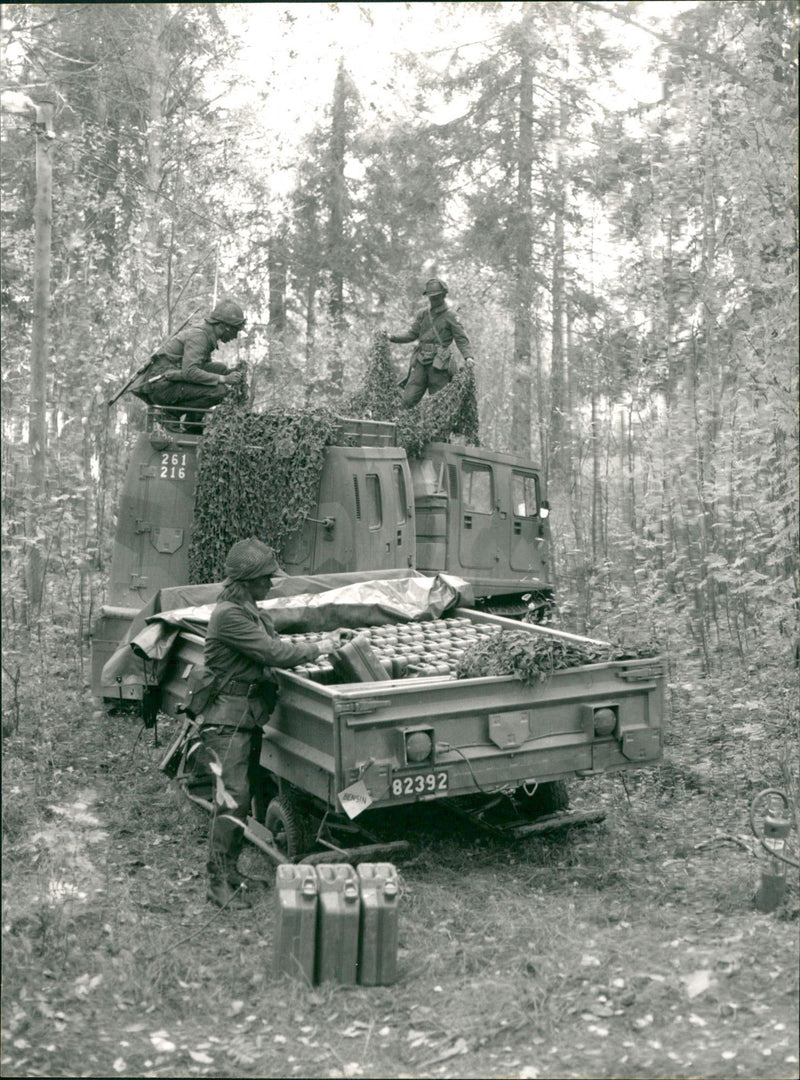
x,y
303,605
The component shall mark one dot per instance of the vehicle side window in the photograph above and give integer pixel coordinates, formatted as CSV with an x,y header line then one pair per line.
x,y
374,506
523,495
400,494
477,487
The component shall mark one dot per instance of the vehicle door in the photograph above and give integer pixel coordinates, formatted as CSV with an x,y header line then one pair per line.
x,y
480,522
526,547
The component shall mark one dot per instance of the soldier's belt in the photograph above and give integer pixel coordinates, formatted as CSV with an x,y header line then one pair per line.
x,y
240,688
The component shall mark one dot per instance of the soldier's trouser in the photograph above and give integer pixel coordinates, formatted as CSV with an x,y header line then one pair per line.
x,y
237,751
192,395
423,377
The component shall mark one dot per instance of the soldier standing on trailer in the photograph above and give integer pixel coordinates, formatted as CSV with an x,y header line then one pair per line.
x,y
241,648
183,373
433,363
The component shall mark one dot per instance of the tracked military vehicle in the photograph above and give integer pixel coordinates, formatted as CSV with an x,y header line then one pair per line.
x,y
475,513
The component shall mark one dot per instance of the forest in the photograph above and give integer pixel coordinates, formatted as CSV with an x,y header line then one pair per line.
x,y
627,276
626,269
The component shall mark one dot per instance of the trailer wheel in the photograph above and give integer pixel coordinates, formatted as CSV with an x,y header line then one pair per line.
x,y
289,825
264,791
548,798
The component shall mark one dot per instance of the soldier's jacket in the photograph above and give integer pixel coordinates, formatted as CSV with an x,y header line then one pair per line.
x,y
241,646
186,357
422,331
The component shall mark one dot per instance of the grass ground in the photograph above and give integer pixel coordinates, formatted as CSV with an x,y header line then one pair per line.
x,y
629,949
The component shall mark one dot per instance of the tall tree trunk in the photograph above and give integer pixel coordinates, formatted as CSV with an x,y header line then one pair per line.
x,y
521,415
559,419
40,346
336,219
277,268
154,162
311,230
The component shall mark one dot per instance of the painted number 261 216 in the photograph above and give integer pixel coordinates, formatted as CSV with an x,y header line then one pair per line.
x,y
173,467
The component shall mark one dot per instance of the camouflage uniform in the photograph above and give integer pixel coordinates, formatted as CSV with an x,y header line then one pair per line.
x,y
434,329
241,646
188,376
182,373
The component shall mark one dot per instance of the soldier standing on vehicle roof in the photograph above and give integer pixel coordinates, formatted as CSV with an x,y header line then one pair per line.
x,y
241,648
433,362
183,373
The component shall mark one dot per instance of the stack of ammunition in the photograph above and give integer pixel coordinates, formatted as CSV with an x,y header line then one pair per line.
x,y
407,650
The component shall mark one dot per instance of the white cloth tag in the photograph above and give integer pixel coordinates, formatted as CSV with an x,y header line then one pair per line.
x,y
355,799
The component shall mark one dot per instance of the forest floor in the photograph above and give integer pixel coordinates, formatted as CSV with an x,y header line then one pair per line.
x,y
627,949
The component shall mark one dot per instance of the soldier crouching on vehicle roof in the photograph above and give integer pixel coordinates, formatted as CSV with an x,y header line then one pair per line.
x,y
433,362
183,373
241,648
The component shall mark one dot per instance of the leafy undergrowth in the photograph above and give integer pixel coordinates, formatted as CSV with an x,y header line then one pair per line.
x,y
627,949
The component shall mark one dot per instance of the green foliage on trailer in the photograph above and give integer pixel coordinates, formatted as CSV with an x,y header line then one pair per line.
x,y
533,659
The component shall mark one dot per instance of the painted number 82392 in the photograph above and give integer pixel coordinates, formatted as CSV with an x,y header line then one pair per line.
x,y
425,783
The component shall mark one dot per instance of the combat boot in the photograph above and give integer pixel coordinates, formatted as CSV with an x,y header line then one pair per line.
x,y
222,893
237,880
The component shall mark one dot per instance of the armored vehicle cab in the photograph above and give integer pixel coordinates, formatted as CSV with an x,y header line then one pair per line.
x,y
482,515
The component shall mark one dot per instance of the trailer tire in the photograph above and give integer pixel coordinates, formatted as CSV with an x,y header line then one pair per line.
x,y
289,825
265,790
551,797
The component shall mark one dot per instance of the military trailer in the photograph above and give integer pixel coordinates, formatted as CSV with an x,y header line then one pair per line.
x,y
337,755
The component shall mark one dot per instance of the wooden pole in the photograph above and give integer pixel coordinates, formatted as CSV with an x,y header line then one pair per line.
x,y
40,345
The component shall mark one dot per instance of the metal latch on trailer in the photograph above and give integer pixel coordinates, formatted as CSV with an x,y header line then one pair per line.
x,y
361,707
641,674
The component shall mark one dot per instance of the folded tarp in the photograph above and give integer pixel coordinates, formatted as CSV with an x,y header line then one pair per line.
x,y
303,604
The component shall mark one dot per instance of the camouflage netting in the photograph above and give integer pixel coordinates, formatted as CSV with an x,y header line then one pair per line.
x,y
258,476
533,658
452,411
380,396
259,473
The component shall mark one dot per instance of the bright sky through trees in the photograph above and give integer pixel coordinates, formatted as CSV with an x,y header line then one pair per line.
x,y
291,53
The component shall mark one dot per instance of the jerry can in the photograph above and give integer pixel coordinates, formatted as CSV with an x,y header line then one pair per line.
x,y
377,941
337,923
296,888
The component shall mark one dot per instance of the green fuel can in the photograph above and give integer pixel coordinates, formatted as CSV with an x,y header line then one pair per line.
x,y
337,923
377,942
297,891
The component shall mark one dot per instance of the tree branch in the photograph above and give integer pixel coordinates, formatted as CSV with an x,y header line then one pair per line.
x,y
678,46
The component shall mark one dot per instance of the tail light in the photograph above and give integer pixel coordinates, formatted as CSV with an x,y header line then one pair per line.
x,y
418,746
600,721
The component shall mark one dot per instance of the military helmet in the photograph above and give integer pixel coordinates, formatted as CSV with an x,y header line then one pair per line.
x,y
434,287
249,559
229,313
